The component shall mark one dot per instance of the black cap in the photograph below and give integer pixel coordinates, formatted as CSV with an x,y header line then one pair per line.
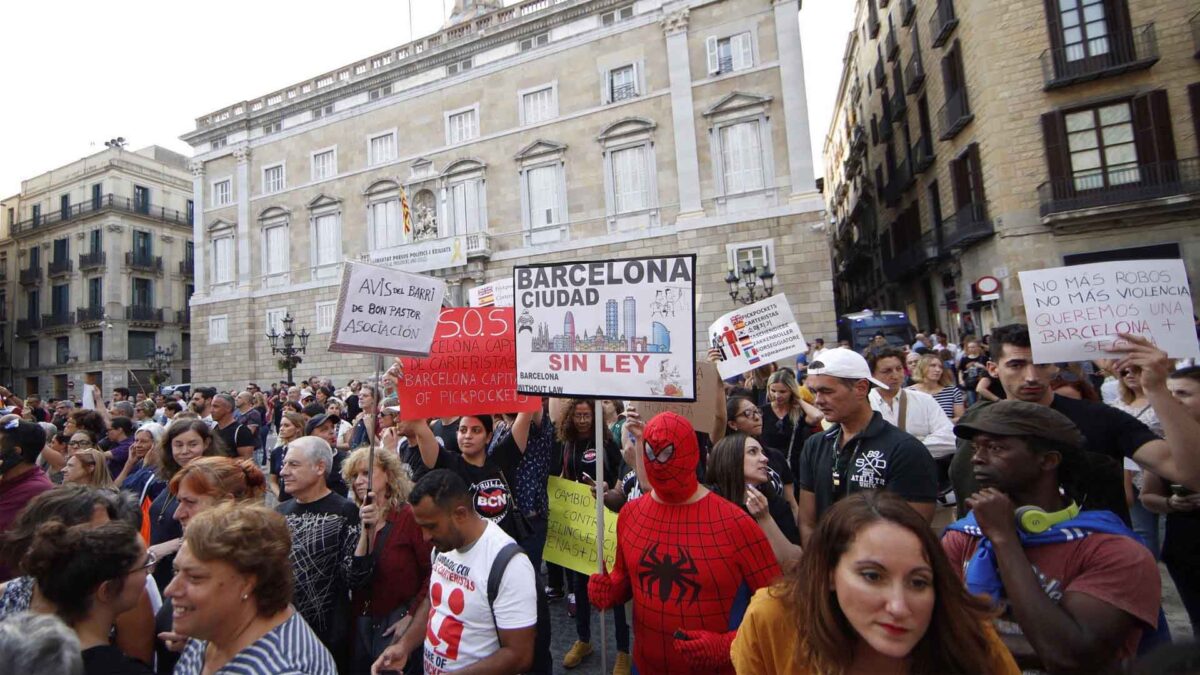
x,y
1019,418
316,421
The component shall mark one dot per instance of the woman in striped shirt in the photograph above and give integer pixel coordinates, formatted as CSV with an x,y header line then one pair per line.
x,y
931,377
232,595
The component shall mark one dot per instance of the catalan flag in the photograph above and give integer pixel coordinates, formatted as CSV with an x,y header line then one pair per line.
x,y
487,297
405,214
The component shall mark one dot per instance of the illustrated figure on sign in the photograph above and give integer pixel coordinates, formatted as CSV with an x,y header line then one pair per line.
x,y
731,339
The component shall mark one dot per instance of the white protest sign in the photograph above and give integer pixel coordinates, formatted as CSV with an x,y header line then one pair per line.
x,y
1075,313
421,256
497,293
385,311
607,329
756,335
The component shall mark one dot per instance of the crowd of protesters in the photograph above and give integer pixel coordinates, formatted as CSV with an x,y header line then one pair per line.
x,y
303,528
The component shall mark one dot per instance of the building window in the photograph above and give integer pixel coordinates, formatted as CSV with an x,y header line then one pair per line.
x,y
757,253
458,67
630,179
218,143
544,197
463,205
1084,26
539,105
325,313
218,329
616,16
534,41
141,199
95,346
60,299
143,245
386,229
621,83
462,126
223,259
272,128
327,239
62,350
141,344
64,207
275,248
95,292
322,111
273,179
36,212
381,148
730,54
967,175
379,92
1101,145
143,293
275,319
741,157
35,360
222,192
324,164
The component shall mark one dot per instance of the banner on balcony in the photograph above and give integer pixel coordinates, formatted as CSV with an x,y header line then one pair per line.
x,y
497,293
421,256
756,335
620,329
385,311
1075,313
471,368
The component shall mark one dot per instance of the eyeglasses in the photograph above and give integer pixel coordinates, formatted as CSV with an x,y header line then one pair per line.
x,y
584,416
80,444
148,566
751,414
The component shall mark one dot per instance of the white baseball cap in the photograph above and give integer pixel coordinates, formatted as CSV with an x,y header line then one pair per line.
x,y
842,362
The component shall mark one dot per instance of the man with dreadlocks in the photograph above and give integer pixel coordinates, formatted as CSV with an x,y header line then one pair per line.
x,y
683,555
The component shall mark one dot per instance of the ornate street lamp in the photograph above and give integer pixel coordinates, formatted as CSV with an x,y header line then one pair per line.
x,y
158,362
749,279
284,344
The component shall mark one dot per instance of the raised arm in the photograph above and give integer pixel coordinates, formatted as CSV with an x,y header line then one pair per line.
x,y
1176,457
520,430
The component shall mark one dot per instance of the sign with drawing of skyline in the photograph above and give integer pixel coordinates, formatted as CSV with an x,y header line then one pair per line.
x,y
612,329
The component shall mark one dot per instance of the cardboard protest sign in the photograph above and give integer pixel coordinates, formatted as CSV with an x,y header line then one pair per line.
x,y
756,335
607,329
571,528
471,368
1074,313
385,311
699,412
497,293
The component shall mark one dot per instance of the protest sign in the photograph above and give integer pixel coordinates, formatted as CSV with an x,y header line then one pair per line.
x,y
699,412
421,256
385,311
1074,313
497,293
756,335
607,329
571,528
471,368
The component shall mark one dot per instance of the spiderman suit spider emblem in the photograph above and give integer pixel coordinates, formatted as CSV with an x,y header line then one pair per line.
x,y
689,552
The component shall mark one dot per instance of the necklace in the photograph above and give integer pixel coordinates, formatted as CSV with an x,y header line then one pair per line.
x,y
166,507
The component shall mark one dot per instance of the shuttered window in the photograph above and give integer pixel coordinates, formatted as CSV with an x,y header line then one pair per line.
x,y
968,180
741,153
385,224
631,188
329,235
275,238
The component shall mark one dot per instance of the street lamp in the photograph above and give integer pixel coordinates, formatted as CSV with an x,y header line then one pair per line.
x,y
158,362
284,344
749,274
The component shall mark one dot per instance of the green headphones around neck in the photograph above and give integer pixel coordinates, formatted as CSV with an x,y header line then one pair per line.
x,y
1036,521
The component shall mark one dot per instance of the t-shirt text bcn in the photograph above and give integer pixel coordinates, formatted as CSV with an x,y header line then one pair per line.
x,y
571,285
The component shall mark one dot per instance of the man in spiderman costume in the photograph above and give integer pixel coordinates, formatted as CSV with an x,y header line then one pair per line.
x,y
682,555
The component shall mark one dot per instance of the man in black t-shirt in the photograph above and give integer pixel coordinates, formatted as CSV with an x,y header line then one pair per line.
x,y
239,441
862,452
324,528
1111,435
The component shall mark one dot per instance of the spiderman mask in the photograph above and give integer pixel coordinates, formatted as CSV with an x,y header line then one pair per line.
x,y
671,456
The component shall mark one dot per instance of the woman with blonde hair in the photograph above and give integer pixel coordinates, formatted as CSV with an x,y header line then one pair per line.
x,y
788,413
291,427
930,376
87,466
389,574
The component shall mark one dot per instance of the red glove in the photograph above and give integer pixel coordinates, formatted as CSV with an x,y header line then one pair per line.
x,y
606,591
704,650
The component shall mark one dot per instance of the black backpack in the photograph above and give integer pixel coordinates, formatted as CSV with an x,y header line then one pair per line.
x,y
542,663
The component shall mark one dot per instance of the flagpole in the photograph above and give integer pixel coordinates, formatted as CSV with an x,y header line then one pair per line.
x,y
598,415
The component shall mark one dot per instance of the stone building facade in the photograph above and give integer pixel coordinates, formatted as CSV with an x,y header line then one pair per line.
x,y
540,131
96,271
978,139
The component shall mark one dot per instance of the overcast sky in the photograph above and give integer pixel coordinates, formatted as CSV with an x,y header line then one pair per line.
x,y
77,74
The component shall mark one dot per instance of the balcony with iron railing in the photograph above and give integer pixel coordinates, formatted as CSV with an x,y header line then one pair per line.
x,y
31,276
28,327
89,314
187,267
105,204
914,72
1123,53
880,73
1134,185
908,11
891,45
943,22
911,260
968,225
142,262
625,92
922,154
954,114
63,319
144,314
899,103
900,180
183,316
93,260
60,267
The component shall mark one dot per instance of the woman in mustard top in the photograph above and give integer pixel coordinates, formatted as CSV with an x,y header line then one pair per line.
x,y
873,593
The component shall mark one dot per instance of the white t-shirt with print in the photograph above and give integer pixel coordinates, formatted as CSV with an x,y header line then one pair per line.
x,y
460,630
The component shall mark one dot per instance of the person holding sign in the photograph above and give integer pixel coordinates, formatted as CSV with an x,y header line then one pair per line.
x,y
575,452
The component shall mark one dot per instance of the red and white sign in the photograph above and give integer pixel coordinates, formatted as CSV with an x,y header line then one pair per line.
x,y
987,285
471,368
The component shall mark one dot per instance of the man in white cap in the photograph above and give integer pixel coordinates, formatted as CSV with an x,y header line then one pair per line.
x,y
861,451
